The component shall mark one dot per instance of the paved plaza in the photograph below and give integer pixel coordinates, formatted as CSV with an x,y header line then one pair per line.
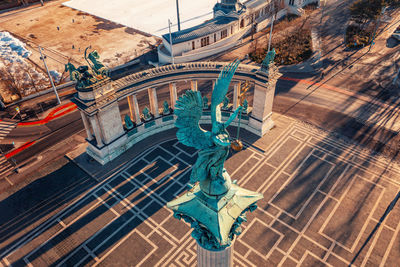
x,y
326,203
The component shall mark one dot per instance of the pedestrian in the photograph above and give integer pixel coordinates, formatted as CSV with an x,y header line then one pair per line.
x,y
58,28
73,20
73,47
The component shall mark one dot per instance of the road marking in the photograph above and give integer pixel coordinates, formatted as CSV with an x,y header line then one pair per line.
x,y
16,151
5,128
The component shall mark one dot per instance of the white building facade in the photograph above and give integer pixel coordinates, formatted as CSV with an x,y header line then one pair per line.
x,y
232,21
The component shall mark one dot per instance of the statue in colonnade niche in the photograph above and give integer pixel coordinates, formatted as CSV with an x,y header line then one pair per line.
x,y
146,114
245,106
128,122
225,103
205,102
166,110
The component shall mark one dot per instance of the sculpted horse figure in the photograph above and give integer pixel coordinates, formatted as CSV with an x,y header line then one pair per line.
x,y
74,74
96,65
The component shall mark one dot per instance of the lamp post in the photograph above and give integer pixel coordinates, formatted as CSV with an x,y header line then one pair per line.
x,y
170,41
177,12
48,73
272,25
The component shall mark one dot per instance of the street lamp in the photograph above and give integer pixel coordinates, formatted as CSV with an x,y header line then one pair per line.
x,y
170,41
177,12
48,73
272,25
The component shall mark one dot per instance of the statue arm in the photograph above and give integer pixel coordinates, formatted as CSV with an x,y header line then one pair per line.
x,y
232,117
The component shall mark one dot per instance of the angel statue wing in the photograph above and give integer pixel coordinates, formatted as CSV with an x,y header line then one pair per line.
x,y
221,88
188,110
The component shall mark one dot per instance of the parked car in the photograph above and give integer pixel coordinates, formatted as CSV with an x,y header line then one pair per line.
x,y
396,34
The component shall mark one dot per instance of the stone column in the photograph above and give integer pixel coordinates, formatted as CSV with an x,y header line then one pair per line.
x,y
193,85
172,94
136,109
96,130
87,126
209,258
236,92
131,104
153,101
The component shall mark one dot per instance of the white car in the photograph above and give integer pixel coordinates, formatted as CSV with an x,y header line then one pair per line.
x,y
396,34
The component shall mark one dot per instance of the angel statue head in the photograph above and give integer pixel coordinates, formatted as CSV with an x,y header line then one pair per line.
x,y
214,146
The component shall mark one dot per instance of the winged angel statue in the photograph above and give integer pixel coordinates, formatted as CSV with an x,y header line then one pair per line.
x,y
214,146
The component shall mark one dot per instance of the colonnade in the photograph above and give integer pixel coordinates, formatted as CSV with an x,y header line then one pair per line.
x,y
95,131
101,116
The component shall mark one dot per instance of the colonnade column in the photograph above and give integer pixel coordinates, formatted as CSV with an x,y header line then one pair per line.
x,y
131,104
136,108
236,92
153,101
172,94
96,130
87,126
193,85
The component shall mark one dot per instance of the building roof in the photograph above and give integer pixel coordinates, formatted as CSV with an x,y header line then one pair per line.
x,y
200,30
254,3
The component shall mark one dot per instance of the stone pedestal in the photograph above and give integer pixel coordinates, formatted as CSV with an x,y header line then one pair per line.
x,y
263,100
209,258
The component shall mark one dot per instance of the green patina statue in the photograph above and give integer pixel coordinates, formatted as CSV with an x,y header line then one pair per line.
x,y
128,122
225,103
245,106
146,114
205,102
97,67
166,110
268,60
84,76
214,206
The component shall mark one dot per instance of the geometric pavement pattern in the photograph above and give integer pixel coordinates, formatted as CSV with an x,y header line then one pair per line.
x,y
322,200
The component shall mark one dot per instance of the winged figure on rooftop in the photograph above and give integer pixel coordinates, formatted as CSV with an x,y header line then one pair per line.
x,y
214,145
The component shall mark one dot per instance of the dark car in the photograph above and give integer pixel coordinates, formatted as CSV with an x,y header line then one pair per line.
x,y
396,34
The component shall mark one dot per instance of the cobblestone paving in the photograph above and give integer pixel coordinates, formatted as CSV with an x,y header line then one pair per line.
x,y
323,202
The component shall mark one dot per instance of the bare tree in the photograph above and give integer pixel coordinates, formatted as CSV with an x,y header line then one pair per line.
x,y
13,84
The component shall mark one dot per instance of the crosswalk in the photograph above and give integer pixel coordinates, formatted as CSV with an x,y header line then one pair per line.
x,y
5,128
5,167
